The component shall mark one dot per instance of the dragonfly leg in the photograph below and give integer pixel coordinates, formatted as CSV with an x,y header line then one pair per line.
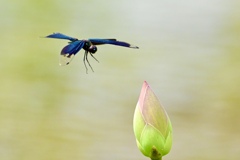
x,y
86,58
94,57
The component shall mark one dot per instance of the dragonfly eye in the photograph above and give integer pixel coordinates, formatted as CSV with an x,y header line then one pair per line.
x,y
92,49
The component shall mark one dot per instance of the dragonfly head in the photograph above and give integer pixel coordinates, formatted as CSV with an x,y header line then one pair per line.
x,y
92,49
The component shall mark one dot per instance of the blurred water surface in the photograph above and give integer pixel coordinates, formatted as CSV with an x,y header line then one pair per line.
x,y
189,54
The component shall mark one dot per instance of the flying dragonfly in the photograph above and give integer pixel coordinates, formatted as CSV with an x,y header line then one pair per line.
x,y
75,45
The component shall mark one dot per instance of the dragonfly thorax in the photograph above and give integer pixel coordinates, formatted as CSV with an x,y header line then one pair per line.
x,y
87,45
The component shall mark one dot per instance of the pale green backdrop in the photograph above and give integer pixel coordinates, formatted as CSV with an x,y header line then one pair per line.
x,y
189,54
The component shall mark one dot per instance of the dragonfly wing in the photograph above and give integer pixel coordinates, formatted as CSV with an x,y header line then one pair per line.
x,y
111,41
69,51
61,36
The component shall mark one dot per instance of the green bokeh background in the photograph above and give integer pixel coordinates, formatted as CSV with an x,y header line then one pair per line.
x,y
189,54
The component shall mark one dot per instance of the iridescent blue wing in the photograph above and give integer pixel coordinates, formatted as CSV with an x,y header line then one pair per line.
x,y
69,51
111,41
61,36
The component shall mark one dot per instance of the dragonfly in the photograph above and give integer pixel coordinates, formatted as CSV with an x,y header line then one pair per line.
x,y
89,45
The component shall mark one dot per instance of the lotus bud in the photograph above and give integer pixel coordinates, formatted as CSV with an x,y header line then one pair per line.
x,y
151,125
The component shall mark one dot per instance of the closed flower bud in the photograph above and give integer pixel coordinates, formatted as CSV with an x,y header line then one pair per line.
x,y
151,125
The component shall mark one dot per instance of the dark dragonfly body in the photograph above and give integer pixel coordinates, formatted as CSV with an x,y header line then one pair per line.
x,y
75,45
